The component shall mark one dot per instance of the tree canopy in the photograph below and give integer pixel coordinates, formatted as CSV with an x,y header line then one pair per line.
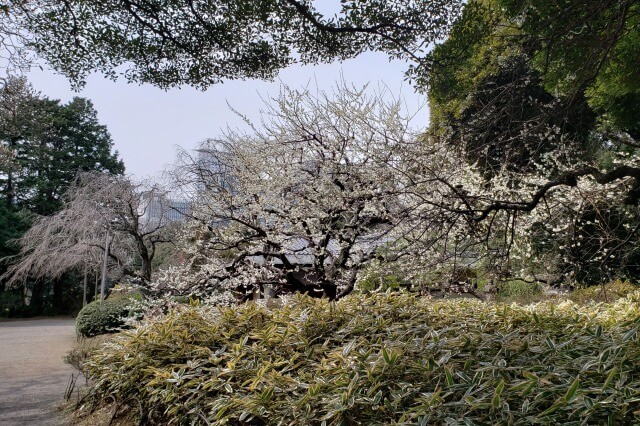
x,y
542,96
170,43
48,143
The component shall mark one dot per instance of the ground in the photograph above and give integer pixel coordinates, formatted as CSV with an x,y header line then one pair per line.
x,y
33,376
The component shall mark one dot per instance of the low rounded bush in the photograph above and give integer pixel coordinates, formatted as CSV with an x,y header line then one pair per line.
x,y
107,316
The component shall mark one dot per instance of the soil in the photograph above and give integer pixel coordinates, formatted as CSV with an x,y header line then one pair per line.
x,y
33,376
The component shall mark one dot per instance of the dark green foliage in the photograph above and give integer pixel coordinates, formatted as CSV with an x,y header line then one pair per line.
x,y
12,304
581,50
49,143
384,359
13,223
514,70
589,46
170,43
43,146
107,316
489,100
75,142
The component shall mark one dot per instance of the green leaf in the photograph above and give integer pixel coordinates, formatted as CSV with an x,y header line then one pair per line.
x,y
630,334
385,355
449,376
610,377
377,398
555,407
495,400
348,347
571,392
550,343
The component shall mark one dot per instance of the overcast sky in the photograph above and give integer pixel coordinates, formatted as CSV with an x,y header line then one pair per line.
x,y
147,124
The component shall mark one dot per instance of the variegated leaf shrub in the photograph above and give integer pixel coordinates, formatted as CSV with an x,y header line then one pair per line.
x,y
377,359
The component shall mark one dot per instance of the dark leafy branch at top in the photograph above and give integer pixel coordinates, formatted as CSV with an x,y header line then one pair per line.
x,y
201,43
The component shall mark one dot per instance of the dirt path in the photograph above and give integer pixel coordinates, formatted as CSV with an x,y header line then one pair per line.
x,y
33,376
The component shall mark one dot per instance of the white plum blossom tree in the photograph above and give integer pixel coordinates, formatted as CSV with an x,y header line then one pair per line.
x,y
324,187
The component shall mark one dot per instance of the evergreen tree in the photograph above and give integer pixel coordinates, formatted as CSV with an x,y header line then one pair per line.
x,y
44,144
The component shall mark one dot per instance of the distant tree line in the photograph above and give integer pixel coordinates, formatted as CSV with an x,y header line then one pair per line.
x,y
44,144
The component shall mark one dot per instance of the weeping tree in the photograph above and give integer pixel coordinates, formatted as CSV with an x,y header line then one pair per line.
x,y
104,217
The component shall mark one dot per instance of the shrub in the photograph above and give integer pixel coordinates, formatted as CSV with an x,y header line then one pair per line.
x,y
609,292
12,304
390,358
376,281
107,316
520,291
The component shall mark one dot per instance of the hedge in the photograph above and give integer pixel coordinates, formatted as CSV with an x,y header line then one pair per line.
x,y
378,359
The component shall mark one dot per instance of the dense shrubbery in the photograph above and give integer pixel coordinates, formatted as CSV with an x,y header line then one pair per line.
x,y
520,291
389,358
107,316
604,293
12,304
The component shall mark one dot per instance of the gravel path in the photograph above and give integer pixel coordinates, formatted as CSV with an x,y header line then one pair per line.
x,y
33,376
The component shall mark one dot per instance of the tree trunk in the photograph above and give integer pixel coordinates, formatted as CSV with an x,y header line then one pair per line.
x,y
9,193
58,300
145,269
36,301
104,267
84,285
95,296
353,276
329,289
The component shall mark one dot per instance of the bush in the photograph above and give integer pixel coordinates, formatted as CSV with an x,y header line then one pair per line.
x,y
12,305
520,291
607,293
106,317
375,281
390,358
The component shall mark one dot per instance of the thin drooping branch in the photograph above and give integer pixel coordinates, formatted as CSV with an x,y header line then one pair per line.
x,y
96,207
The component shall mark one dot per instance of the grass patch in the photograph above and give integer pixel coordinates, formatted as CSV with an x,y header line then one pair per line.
x,y
377,359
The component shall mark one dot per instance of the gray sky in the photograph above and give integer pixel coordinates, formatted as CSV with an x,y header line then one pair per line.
x,y
147,124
